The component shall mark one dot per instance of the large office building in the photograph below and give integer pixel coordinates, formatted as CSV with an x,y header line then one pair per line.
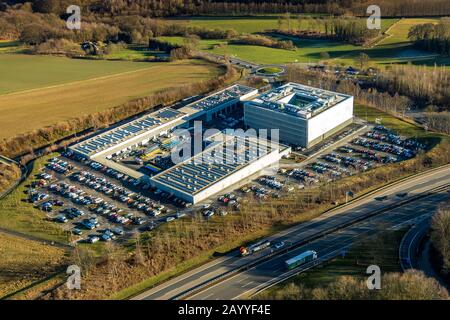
x,y
304,115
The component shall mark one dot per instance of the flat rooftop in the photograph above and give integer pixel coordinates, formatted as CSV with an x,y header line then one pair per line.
x,y
299,100
231,93
126,131
210,166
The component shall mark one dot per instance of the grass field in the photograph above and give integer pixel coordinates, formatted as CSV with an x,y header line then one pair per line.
x,y
307,51
18,215
399,32
100,85
399,126
132,52
254,24
24,261
392,49
25,72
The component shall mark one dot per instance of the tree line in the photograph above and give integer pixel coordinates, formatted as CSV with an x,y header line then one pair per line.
x,y
36,28
342,28
411,285
432,37
9,173
258,40
164,8
440,239
427,86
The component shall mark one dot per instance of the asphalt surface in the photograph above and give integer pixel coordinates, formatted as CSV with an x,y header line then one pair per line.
x,y
410,245
327,246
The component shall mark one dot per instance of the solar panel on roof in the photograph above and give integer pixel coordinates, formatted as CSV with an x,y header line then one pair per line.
x,y
168,113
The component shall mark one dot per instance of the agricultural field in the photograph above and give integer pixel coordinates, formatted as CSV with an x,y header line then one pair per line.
x,y
27,72
69,87
23,261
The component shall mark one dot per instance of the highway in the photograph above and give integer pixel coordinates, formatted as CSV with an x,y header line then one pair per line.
x,y
260,277
329,234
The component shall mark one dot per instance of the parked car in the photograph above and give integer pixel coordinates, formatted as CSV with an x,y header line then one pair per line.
x,y
77,232
61,218
93,239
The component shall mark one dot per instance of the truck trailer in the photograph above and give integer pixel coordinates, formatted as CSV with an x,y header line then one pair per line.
x,y
302,258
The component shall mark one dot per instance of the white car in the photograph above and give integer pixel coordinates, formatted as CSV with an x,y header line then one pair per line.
x,y
279,245
93,239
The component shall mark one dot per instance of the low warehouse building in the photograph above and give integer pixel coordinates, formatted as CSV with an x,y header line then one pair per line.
x,y
211,171
304,115
132,133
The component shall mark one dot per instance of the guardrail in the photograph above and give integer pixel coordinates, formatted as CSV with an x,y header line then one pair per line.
x,y
293,246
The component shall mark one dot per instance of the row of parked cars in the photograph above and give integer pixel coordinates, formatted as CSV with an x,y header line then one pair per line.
x,y
303,175
348,161
230,199
271,182
208,211
59,166
162,195
381,133
121,194
384,147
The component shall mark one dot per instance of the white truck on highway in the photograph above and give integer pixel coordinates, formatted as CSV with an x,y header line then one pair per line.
x,y
245,251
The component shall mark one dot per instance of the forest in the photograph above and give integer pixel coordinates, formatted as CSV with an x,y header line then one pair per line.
x,y
165,8
432,37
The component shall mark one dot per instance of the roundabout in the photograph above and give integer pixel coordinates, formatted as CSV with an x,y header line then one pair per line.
x,y
271,71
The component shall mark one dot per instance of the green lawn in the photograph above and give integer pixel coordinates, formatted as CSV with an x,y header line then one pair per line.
x,y
270,70
307,51
401,127
18,215
254,24
132,52
24,72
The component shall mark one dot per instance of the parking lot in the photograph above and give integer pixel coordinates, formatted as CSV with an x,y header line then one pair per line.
x,y
96,203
